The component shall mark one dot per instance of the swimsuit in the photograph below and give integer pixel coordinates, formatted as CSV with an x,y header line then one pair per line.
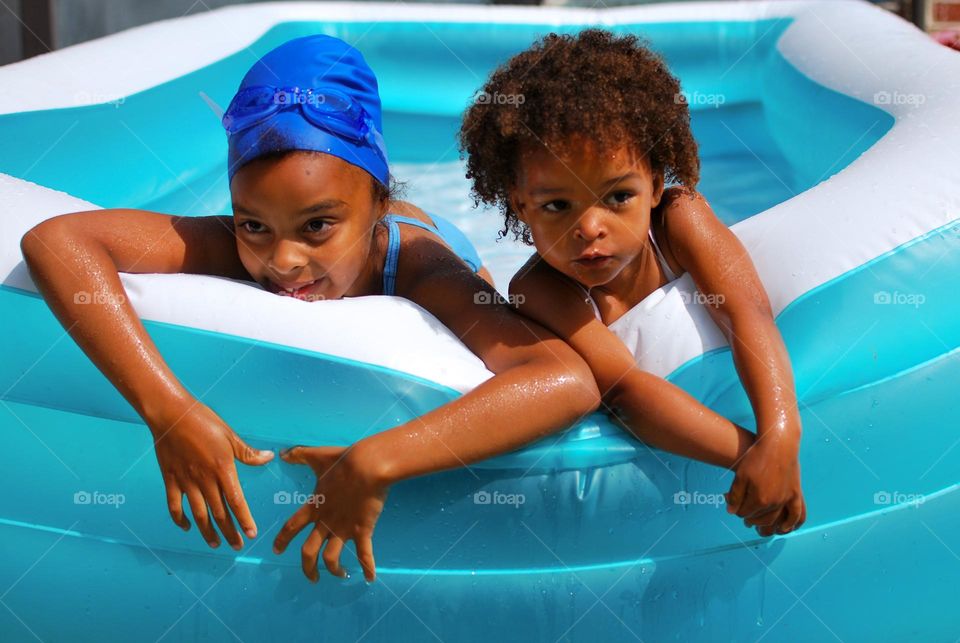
x,y
448,233
663,263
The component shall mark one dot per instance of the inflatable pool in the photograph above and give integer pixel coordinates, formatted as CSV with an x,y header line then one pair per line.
x,y
830,143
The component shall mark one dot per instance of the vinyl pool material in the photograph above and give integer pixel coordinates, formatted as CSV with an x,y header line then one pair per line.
x,y
829,142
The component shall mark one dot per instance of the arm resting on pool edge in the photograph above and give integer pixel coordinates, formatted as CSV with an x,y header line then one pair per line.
x,y
84,252
766,491
659,413
540,386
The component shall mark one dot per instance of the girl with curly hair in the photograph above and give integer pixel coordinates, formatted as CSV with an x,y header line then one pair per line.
x,y
584,144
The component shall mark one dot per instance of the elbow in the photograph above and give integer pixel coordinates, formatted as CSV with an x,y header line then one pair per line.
x,y
41,238
578,387
31,244
628,386
589,398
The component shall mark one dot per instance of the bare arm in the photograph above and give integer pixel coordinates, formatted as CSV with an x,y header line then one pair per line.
x,y
85,252
656,411
541,385
767,489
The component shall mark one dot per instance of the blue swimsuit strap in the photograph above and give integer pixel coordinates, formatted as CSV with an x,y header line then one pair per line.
x,y
393,247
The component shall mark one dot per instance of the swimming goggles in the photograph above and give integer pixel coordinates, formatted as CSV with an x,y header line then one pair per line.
x,y
327,109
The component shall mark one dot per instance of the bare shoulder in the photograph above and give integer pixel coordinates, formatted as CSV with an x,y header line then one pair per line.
x,y
682,223
407,209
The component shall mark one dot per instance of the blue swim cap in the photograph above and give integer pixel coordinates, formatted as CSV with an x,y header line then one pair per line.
x,y
315,93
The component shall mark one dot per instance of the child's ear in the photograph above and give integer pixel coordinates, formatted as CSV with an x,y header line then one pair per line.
x,y
657,189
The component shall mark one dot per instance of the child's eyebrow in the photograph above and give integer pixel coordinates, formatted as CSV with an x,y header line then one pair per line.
x,y
319,206
606,184
326,204
547,190
617,179
240,209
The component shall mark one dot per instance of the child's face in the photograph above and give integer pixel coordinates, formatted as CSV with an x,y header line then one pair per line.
x,y
305,225
588,212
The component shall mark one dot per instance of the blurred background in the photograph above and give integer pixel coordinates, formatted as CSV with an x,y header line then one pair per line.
x,y
32,27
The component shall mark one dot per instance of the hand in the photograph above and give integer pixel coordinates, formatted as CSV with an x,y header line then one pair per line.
x,y
766,490
196,453
345,505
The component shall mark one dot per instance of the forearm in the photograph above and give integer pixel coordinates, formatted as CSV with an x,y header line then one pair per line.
x,y
763,364
665,416
504,413
82,287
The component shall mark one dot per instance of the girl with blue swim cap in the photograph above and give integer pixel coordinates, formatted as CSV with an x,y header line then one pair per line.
x,y
313,219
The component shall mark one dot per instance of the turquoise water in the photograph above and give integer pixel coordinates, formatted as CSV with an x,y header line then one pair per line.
x,y
750,111
599,549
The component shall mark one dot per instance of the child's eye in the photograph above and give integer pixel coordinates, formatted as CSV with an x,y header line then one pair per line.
x,y
556,206
253,227
619,198
317,225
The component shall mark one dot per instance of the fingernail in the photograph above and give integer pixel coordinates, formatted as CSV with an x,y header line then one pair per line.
x,y
251,532
277,550
213,543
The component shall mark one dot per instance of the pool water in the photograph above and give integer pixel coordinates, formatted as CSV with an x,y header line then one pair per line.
x,y
876,408
751,116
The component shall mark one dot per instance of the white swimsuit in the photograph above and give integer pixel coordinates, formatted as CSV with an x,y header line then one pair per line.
x,y
671,276
673,318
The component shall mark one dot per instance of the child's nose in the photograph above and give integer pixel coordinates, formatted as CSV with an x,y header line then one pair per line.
x,y
590,225
287,257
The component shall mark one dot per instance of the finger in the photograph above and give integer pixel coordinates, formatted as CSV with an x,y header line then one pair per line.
x,y
331,557
175,504
199,509
291,528
766,519
735,495
365,556
317,458
765,531
296,455
233,494
310,551
749,506
211,493
791,516
247,454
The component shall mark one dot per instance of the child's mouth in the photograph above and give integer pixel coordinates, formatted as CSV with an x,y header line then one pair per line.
x,y
594,262
304,292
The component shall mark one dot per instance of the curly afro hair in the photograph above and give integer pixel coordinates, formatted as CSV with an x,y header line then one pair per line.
x,y
609,88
